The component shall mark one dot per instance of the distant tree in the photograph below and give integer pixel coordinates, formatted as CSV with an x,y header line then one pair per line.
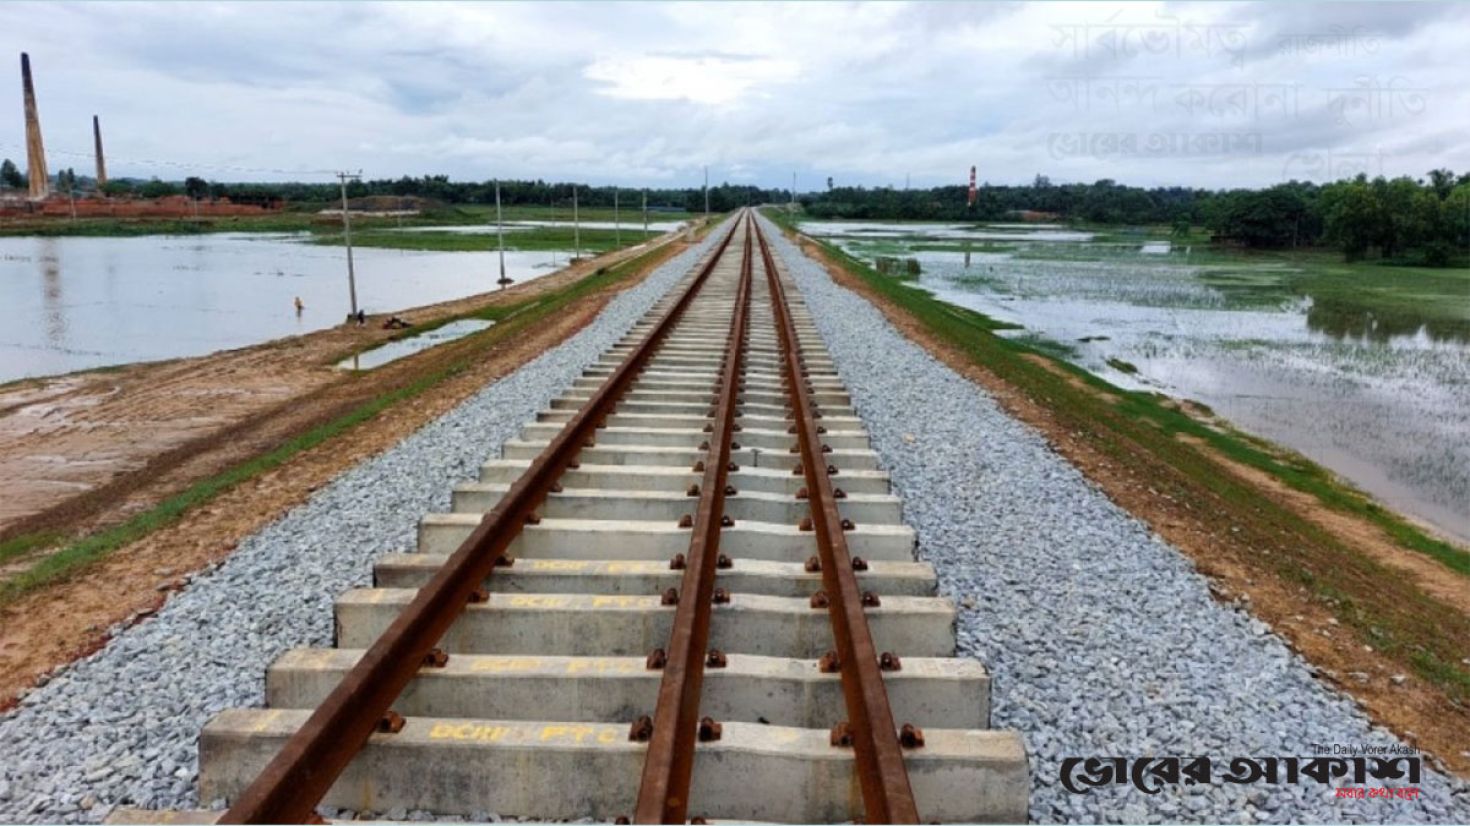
x,y
1433,228
1262,218
158,189
1442,181
829,183
116,187
1350,215
196,188
10,176
1455,212
1400,225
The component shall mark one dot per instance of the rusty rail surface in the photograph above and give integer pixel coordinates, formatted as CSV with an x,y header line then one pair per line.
x,y
296,779
668,767
882,775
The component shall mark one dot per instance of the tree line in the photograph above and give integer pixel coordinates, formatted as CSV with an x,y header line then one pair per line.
x,y
439,188
1401,219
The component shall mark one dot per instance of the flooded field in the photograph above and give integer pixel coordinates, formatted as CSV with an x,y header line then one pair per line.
x,y
77,302
627,225
1364,369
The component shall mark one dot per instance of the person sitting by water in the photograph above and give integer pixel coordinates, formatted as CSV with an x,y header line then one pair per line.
x,y
299,305
361,318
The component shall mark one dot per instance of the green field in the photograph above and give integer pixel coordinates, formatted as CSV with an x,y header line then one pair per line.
x,y
592,241
307,219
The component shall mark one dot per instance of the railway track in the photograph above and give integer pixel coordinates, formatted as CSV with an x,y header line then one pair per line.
x,y
685,592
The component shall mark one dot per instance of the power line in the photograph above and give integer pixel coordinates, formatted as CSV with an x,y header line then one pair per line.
x,y
180,164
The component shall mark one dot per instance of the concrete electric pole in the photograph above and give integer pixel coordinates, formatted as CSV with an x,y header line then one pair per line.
x,y
500,236
343,178
576,227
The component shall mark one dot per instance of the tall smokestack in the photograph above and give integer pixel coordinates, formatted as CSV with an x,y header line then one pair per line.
x,y
40,182
101,164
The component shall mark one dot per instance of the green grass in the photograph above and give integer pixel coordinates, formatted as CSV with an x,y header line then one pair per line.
x,y
1138,430
304,218
1122,366
512,320
593,241
18,546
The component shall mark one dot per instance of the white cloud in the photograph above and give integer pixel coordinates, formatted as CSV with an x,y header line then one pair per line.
x,y
715,80
628,92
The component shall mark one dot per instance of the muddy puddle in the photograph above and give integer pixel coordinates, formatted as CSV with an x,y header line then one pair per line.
x,y
404,347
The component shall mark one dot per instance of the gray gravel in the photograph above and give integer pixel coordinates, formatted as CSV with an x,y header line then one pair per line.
x,y
121,727
1102,638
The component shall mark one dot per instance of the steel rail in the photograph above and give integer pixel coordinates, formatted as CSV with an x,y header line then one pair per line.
x,y
668,767
882,775
296,779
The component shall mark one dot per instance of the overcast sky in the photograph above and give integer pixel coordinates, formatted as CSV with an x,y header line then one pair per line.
x,y
1198,94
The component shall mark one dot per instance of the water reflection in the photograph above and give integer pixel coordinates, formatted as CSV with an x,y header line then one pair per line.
x,y
1332,318
1381,398
51,293
105,301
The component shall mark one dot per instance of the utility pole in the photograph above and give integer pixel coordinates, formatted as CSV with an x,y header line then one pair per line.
x,y
792,208
576,227
617,227
500,235
343,178
645,214
706,194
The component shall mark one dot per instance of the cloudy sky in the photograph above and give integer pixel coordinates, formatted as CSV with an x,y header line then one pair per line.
x,y
1150,93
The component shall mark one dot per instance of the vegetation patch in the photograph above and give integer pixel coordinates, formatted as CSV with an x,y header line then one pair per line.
x,y
18,546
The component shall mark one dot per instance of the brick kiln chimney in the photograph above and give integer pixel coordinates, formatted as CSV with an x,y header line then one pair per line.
x,y
101,164
40,182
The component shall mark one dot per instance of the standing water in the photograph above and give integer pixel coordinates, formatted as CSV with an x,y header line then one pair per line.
x,y
1378,394
76,303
